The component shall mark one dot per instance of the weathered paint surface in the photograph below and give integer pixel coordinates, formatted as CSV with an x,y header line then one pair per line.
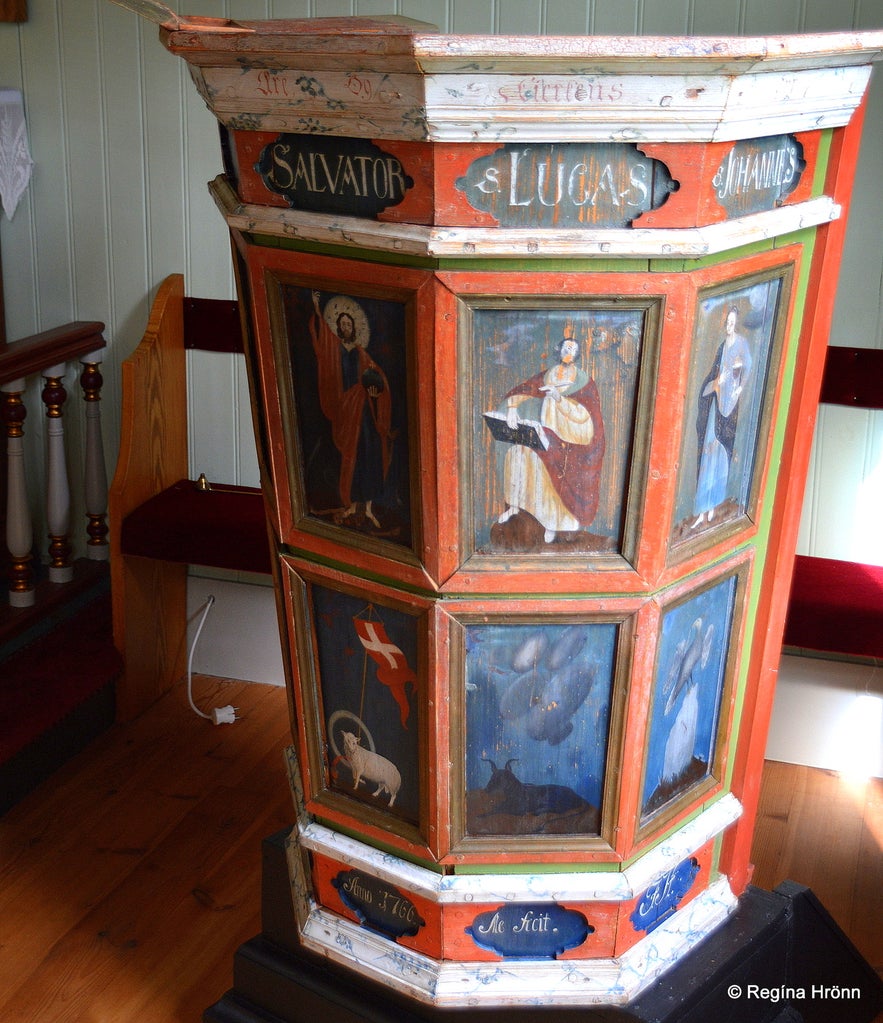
x,y
579,578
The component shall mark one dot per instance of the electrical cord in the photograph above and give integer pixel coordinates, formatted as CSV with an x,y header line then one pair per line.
x,y
219,715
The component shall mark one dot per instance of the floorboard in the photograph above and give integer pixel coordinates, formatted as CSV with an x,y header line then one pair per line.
x,y
825,830
130,877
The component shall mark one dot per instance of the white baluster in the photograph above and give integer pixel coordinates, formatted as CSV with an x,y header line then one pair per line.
x,y
19,530
95,483
58,493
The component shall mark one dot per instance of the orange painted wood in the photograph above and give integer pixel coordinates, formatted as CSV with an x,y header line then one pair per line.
x,y
246,148
452,208
417,842
466,572
811,142
681,562
427,940
459,945
692,165
418,161
627,936
788,498
434,197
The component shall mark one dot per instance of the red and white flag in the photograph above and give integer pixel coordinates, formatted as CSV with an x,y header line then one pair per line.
x,y
393,670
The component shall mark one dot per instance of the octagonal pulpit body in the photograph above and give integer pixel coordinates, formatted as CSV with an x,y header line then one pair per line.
x,y
536,329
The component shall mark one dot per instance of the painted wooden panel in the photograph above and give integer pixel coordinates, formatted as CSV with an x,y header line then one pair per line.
x,y
124,149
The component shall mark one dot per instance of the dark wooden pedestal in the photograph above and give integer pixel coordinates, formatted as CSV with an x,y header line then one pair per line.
x,y
779,959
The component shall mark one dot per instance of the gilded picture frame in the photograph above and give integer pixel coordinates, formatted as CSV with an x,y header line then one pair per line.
x,y
736,355
362,692
695,664
555,427
537,729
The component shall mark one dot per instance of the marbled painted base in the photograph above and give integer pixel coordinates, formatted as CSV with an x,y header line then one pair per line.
x,y
571,982
615,964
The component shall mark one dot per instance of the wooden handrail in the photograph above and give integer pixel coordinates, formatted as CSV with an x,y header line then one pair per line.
x,y
60,344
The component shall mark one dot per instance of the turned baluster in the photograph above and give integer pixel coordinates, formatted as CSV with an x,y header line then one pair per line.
x,y
19,531
95,471
58,495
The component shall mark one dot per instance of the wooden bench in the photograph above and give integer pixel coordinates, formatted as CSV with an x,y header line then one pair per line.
x,y
160,520
836,607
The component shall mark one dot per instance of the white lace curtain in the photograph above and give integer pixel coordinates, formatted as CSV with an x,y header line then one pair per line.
x,y
15,155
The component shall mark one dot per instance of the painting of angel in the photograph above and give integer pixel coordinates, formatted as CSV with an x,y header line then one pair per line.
x,y
689,685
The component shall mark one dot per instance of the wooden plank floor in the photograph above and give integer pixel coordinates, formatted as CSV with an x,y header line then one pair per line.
x,y
129,879
825,830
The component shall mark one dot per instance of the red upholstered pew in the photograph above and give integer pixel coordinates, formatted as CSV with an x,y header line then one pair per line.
x,y
160,520
836,607
223,527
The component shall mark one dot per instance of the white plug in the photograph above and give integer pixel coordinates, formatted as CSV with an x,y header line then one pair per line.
x,y
224,715
219,715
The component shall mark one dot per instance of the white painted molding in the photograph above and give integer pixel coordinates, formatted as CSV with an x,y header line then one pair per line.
x,y
485,242
571,886
415,85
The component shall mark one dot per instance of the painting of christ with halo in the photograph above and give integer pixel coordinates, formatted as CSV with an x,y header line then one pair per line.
x,y
348,375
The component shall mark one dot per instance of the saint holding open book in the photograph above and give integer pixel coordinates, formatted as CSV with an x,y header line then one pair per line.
x,y
553,425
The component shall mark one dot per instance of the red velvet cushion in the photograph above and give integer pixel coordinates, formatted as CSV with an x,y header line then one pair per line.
x,y
224,527
836,606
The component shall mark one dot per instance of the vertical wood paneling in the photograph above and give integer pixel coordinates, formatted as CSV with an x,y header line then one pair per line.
x,y
373,8
716,17
569,18
823,16
514,17
662,17
41,52
617,19
247,469
764,18
857,313
867,536
162,99
471,19
207,270
213,398
844,492
427,10
124,149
